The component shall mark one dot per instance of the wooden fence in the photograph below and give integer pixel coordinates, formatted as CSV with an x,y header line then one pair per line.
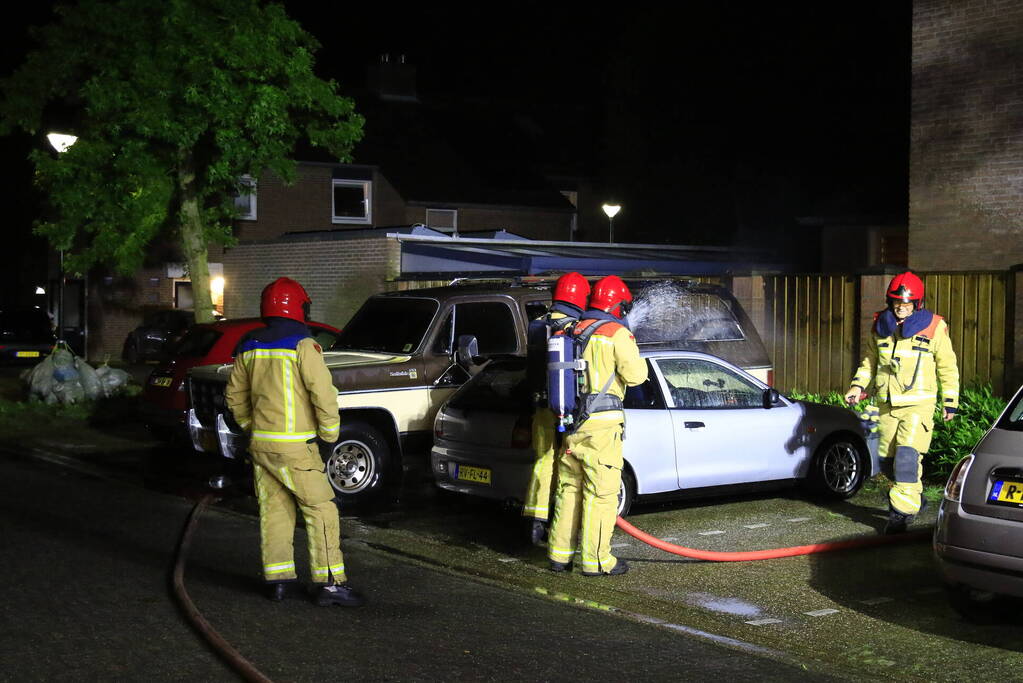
x,y
816,326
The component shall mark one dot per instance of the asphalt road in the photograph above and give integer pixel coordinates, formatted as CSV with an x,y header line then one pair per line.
x,y
87,562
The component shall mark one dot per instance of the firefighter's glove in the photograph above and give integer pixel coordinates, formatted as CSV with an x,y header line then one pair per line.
x,y
853,395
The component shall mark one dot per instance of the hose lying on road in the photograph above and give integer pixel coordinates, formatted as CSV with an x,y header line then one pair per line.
x,y
771,554
243,666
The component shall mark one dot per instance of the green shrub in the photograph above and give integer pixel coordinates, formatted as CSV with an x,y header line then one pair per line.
x,y
951,441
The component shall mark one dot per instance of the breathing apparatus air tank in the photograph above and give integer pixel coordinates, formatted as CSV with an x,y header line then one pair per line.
x,y
562,382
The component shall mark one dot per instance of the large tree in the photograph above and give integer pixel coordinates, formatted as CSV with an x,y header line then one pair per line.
x,y
172,102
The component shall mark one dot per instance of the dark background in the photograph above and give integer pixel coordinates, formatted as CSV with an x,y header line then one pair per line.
x,y
711,122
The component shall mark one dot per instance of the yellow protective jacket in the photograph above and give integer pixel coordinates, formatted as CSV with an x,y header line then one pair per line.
x,y
610,353
905,370
281,391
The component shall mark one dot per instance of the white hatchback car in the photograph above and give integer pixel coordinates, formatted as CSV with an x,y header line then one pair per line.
x,y
698,425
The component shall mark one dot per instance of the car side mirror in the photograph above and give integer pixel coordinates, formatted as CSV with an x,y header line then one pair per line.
x,y
467,350
771,398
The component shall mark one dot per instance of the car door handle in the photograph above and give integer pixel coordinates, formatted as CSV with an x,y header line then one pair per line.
x,y
694,425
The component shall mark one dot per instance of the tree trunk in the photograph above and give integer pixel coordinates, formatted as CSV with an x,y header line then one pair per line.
x,y
193,239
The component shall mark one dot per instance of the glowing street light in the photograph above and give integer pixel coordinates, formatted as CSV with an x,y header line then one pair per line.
x,y
611,210
61,141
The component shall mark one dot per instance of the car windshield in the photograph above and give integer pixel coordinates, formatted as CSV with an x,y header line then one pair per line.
x,y
500,386
25,326
388,325
1013,418
196,343
669,312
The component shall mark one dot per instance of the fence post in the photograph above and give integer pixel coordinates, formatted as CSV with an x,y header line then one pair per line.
x,y
1014,349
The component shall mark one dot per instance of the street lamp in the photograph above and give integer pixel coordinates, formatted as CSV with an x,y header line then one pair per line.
x,y
61,142
611,210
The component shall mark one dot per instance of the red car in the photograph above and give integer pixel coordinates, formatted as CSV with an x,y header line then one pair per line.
x,y
165,396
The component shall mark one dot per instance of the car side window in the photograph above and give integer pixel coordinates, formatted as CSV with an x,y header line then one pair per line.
x,y
697,384
491,322
646,396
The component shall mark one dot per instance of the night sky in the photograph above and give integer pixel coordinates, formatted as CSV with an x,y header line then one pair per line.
x,y
709,121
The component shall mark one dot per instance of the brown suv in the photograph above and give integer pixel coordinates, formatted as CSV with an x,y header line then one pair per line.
x,y
404,353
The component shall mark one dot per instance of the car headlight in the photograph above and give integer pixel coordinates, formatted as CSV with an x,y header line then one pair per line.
x,y
954,487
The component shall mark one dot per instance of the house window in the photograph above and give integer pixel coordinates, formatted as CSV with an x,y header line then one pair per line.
x,y
352,201
245,200
443,220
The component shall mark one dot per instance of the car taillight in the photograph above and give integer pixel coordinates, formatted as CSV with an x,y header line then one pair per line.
x,y
438,426
770,378
954,487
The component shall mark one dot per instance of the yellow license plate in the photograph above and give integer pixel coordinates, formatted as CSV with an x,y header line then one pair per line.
x,y
1007,492
27,354
477,475
161,381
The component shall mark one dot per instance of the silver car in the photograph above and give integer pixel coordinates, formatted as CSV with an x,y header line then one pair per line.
x,y
978,539
698,425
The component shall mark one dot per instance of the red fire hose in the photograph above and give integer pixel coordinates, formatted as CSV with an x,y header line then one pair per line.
x,y
771,554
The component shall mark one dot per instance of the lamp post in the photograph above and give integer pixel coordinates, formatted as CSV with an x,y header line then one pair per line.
x,y
61,142
611,210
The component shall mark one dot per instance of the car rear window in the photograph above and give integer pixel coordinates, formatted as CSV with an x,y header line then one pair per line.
x,y
1013,417
665,313
197,342
501,386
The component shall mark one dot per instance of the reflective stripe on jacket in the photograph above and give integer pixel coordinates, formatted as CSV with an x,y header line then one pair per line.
x,y
905,371
282,393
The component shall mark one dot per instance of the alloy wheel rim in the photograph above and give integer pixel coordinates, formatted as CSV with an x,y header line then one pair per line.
x,y
351,466
841,467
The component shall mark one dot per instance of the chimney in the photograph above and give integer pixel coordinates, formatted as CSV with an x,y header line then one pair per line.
x,y
393,80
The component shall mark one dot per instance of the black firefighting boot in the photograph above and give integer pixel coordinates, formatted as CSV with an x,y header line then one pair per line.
x,y
897,522
340,594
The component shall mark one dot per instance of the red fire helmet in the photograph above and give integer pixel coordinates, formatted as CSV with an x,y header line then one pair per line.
x,y
285,298
572,288
611,295
906,288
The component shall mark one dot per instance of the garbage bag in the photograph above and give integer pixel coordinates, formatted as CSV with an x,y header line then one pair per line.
x,y
114,380
69,392
41,378
91,382
65,373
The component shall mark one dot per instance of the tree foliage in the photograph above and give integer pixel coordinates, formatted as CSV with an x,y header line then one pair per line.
x,y
172,102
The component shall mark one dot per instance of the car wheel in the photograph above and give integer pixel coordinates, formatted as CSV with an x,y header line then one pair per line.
x,y
838,468
356,465
626,492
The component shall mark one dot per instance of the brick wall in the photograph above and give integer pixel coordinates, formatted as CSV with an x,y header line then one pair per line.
x,y
966,156
338,274
117,305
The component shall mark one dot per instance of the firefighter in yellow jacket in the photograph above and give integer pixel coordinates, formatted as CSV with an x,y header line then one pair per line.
x,y
281,393
911,352
568,302
590,464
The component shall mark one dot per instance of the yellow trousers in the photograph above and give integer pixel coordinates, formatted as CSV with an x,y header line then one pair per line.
x,y
285,481
586,505
905,437
538,494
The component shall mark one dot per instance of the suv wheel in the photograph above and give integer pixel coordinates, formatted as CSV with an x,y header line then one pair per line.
x,y
357,463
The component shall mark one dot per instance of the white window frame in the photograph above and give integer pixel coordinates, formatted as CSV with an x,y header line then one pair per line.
x,y
367,194
250,182
454,220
